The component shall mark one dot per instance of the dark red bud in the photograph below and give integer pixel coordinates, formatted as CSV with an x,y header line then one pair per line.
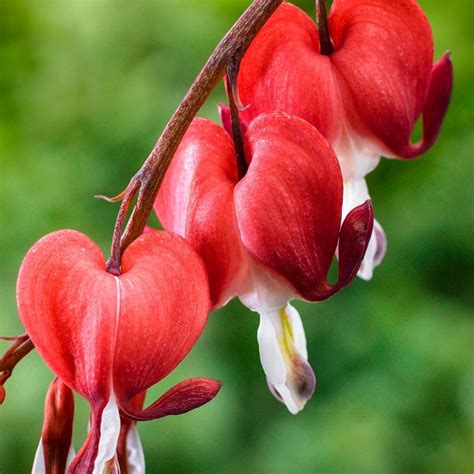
x,y
56,436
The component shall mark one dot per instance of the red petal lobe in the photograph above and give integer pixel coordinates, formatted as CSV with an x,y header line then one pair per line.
x,y
67,303
164,302
288,205
436,106
183,397
196,202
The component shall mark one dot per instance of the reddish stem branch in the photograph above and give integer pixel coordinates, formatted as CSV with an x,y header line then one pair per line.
x,y
325,43
147,181
113,264
21,346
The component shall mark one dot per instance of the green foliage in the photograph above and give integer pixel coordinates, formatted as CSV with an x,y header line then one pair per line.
x,y
85,90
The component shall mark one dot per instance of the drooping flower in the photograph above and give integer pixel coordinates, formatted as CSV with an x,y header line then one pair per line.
x,y
55,451
270,236
364,96
109,337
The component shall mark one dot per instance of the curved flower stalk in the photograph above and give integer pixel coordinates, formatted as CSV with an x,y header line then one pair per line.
x,y
364,94
110,337
55,451
270,236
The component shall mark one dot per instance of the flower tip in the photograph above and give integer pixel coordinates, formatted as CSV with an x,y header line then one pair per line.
x,y
368,206
2,394
303,386
208,387
436,105
300,387
283,353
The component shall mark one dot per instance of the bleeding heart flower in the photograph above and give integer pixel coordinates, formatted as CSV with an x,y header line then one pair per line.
x,y
270,236
364,96
110,337
55,452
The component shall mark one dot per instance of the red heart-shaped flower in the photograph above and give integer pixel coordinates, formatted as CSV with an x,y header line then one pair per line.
x,y
110,338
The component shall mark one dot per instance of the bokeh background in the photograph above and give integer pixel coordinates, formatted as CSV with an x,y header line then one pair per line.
x,y
85,89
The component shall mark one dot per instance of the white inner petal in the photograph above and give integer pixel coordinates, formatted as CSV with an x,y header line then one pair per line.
x,y
261,290
135,456
357,156
283,353
109,434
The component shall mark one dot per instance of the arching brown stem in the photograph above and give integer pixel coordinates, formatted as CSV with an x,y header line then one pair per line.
x,y
325,43
151,174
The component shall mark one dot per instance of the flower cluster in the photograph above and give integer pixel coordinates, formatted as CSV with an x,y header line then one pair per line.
x,y
314,123
257,208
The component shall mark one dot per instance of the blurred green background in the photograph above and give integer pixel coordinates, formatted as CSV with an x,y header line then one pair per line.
x,y
85,89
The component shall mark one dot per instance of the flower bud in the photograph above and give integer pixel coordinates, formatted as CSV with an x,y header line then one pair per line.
x,y
55,449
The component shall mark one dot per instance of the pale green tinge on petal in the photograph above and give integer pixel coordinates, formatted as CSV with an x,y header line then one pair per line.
x,y
283,353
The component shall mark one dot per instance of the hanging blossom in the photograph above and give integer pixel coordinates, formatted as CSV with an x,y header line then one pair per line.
x,y
269,236
110,338
364,91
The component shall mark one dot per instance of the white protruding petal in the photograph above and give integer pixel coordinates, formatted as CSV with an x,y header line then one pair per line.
x,y
38,463
109,434
271,356
135,456
357,156
375,252
356,193
283,353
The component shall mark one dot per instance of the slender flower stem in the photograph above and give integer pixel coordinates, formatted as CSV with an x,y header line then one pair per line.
x,y
325,44
150,176
113,264
234,104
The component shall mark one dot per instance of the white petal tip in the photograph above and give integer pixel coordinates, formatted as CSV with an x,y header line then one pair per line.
x,y
298,389
283,354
